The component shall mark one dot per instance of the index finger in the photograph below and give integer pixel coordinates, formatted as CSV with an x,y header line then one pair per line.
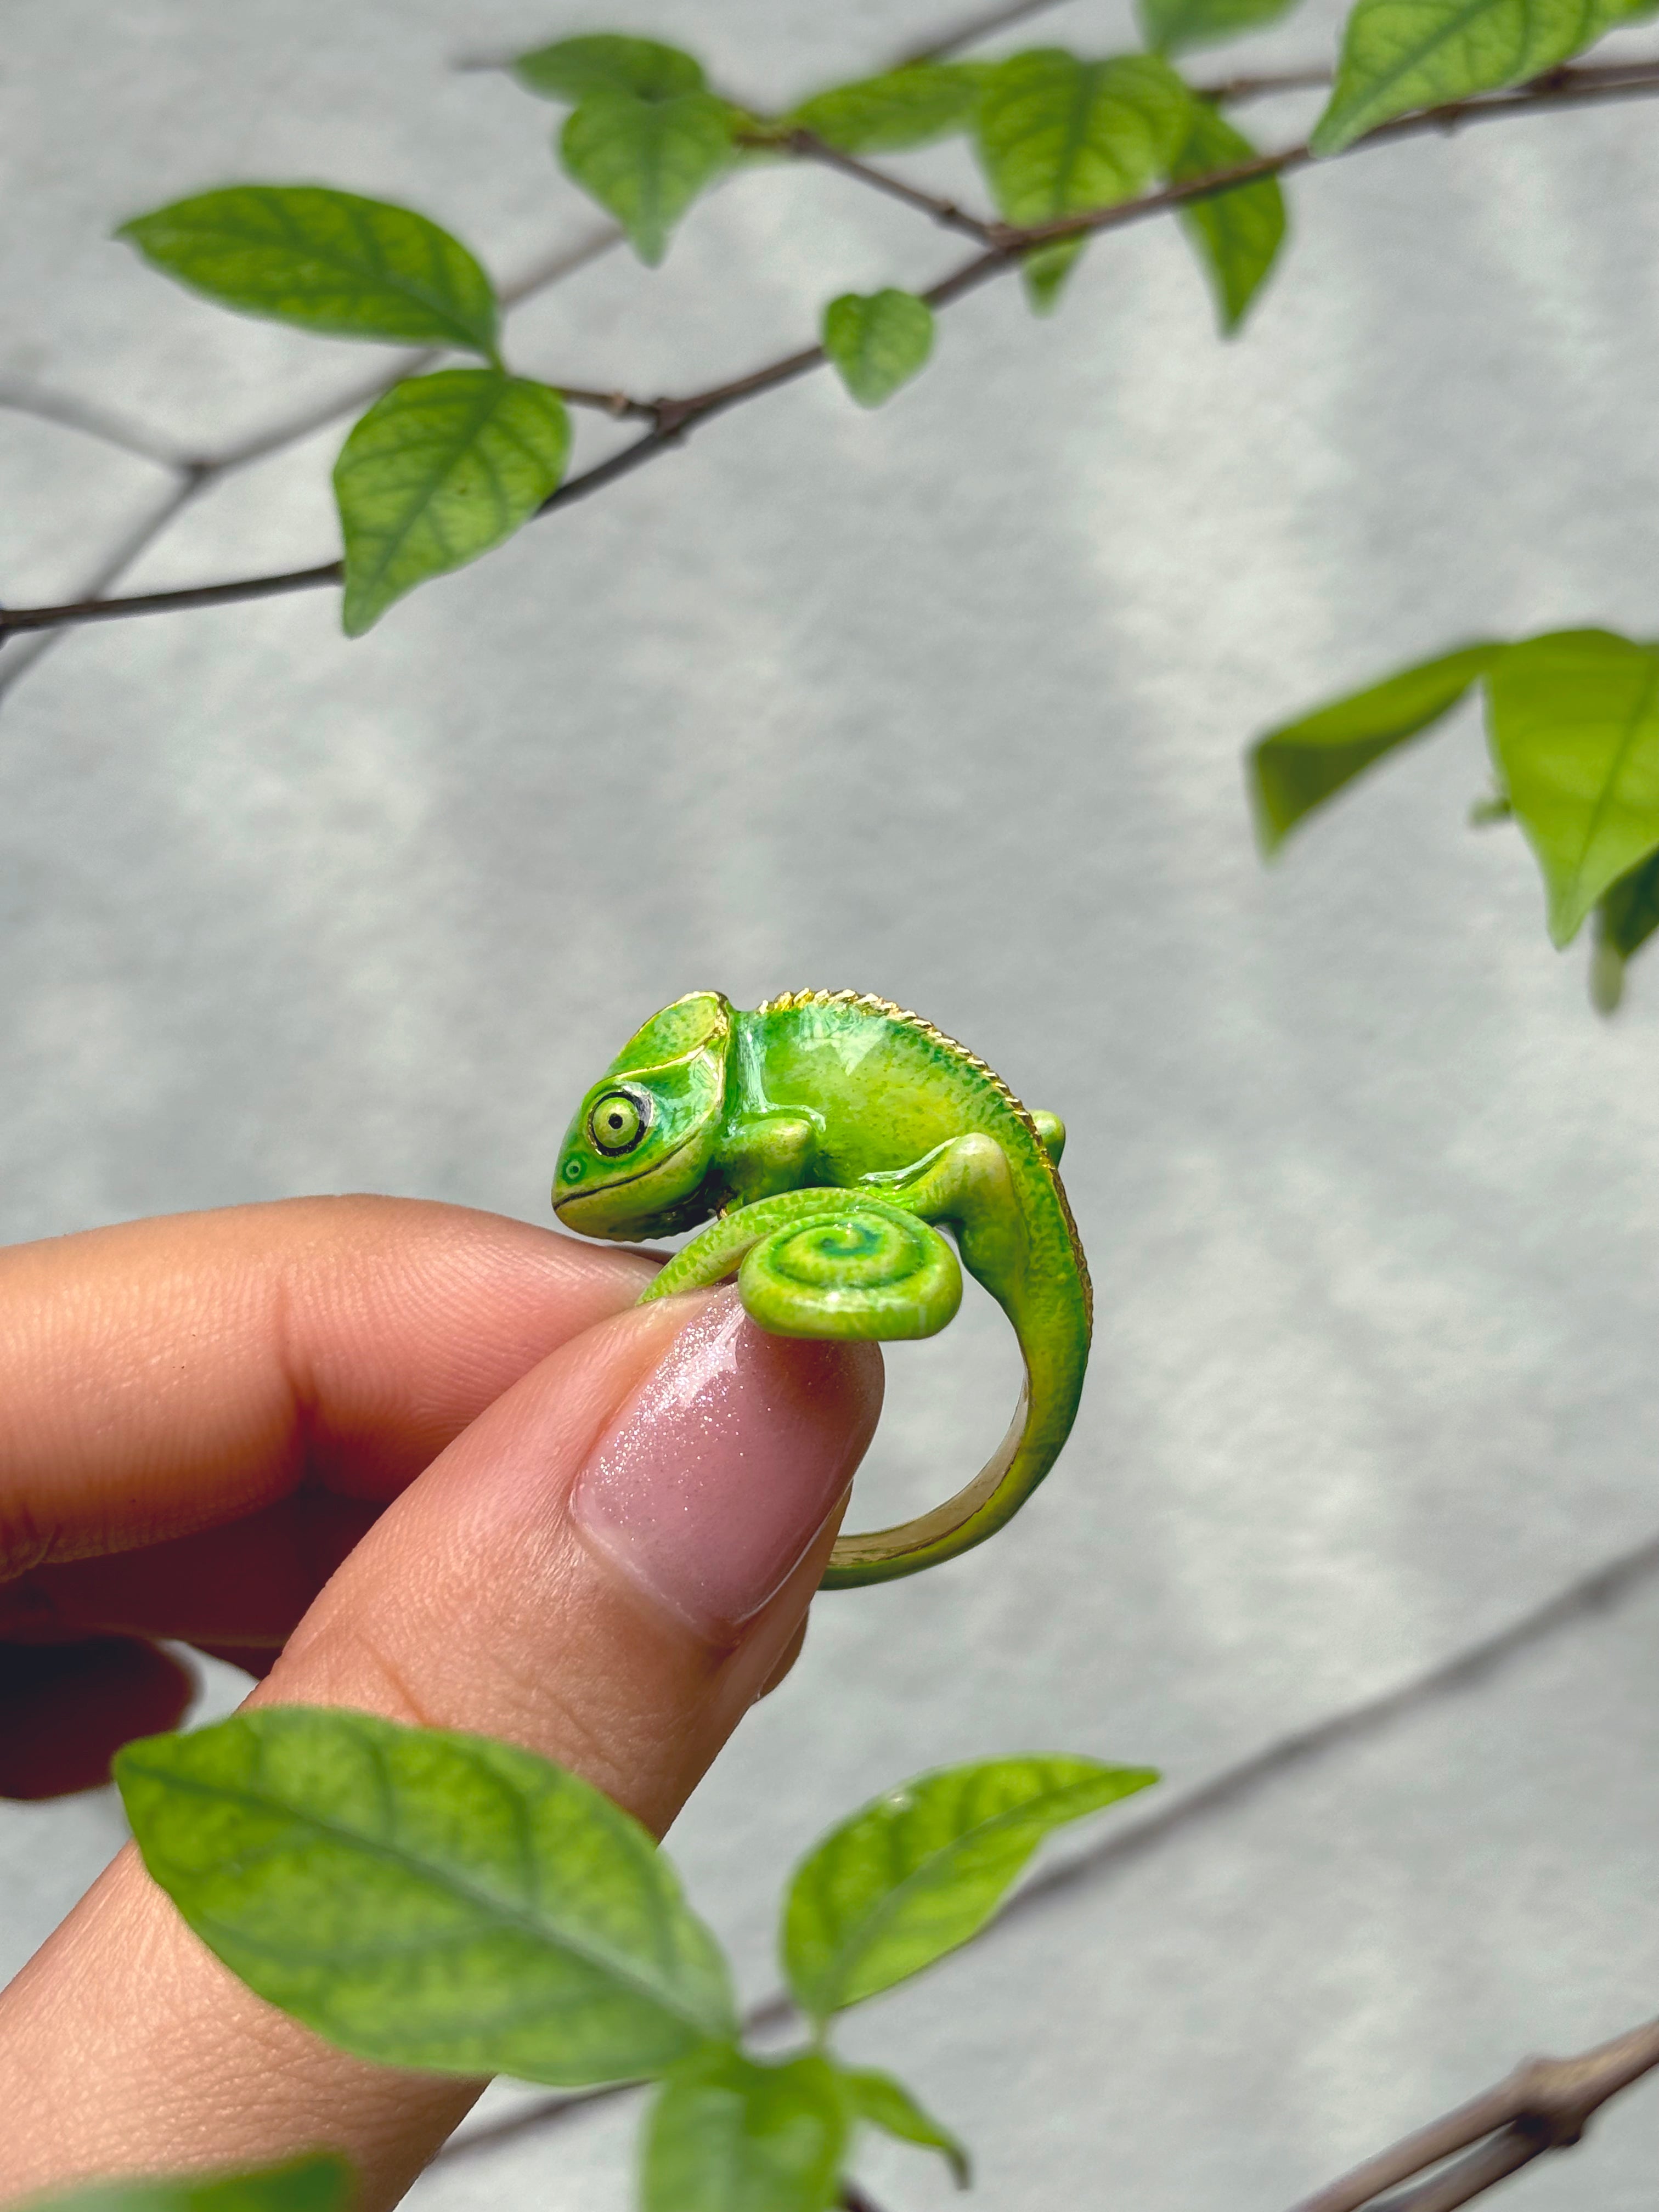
x,y
171,1375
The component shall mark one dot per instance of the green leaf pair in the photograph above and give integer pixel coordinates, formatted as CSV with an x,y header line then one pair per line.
x,y
645,136
441,467
440,1901
1573,724
1058,136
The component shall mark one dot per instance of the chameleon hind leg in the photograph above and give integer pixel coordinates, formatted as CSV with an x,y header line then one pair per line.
x,y
966,1182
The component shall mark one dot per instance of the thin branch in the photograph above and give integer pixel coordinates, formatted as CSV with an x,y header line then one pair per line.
x,y
194,475
672,418
16,664
811,148
617,404
1234,91
1546,2103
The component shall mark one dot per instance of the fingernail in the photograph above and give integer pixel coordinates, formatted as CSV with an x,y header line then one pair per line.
x,y
726,1463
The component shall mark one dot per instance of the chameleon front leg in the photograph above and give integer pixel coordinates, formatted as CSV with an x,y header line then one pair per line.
x,y
766,1154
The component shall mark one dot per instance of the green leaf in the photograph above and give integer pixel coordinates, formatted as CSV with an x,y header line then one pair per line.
x,y
329,261
441,469
921,1869
1059,137
878,340
320,2184
888,2105
1297,767
570,68
1169,27
1626,915
728,2135
646,159
1237,236
887,114
426,1899
1401,54
1629,909
1575,734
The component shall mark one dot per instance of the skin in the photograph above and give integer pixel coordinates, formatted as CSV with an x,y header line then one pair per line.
x,y
825,1132
414,1460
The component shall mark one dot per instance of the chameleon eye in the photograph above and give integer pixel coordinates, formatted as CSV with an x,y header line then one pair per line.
x,y
618,1121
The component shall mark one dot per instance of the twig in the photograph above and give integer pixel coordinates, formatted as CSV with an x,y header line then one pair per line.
x,y
1546,2103
1234,91
672,418
947,213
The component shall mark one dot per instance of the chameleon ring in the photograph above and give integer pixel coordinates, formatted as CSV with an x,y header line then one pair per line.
x,y
826,1132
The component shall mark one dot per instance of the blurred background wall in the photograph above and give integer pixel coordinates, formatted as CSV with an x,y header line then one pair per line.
x,y
947,703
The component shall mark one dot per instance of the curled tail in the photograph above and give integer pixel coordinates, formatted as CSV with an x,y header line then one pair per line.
x,y
830,1263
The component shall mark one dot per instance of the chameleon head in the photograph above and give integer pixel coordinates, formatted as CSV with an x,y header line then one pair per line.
x,y
634,1158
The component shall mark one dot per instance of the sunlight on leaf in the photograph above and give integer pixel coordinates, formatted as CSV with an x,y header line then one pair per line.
x,y
1299,766
439,470
877,341
329,261
1574,721
921,1869
729,2134
1059,137
1237,236
427,1898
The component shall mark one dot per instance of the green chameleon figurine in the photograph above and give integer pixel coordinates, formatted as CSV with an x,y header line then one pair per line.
x,y
825,1132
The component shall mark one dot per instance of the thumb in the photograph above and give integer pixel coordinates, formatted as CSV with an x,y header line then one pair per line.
x,y
607,1566
610,1561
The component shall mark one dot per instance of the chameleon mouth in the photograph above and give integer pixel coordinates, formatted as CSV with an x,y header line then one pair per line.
x,y
569,1208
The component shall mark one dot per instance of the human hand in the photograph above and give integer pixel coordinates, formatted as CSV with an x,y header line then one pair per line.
x,y
442,1464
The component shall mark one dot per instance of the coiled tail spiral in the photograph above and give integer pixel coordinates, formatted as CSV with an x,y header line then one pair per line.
x,y
826,1263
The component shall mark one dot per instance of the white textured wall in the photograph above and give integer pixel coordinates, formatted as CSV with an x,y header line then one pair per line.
x,y
945,703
